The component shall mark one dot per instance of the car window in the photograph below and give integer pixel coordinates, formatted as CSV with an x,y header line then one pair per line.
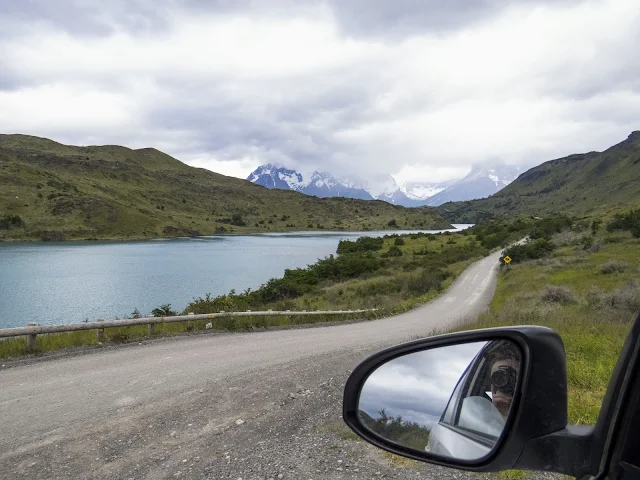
x,y
450,412
469,410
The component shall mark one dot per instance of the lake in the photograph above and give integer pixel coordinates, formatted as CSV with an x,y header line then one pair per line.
x,y
50,283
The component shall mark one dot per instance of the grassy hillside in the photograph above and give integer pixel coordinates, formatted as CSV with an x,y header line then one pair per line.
x,y
595,182
588,290
50,191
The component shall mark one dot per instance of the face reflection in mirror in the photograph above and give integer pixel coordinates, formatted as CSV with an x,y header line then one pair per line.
x,y
451,401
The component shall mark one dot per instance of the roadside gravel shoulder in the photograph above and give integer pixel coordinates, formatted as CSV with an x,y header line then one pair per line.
x,y
260,425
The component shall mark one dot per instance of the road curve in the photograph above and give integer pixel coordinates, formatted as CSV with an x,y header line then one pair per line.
x,y
47,401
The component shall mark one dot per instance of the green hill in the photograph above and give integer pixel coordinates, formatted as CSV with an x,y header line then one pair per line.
x,y
577,184
51,191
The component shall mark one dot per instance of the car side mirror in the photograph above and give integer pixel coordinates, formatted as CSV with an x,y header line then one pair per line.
x,y
474,400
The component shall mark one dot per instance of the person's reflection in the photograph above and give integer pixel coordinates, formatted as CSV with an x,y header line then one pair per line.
x,y
505,366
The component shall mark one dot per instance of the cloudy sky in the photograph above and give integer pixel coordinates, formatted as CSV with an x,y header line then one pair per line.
x,y
417,88
417,386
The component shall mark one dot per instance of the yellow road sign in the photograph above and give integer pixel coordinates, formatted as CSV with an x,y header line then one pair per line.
x,y
507,260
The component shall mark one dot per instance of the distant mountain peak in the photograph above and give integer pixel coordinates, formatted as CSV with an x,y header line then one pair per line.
x,y
484,179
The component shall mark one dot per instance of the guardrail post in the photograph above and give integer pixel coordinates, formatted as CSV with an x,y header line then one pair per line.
x,y
100,332
151,328
31,339
190,322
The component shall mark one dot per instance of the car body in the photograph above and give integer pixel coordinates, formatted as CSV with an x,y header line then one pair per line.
x,y
470,424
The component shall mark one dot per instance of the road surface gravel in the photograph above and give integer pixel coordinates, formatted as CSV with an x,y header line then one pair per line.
x,y
264,405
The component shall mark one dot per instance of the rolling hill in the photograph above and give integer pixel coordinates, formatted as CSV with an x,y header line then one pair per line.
x,y
50,191
577,184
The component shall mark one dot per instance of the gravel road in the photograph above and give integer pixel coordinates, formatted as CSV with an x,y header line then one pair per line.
x,y
241,406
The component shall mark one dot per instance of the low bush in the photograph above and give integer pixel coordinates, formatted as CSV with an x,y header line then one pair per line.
x,y
613,266
595,297
558,294
362,244
626,221
626,297
528,251
10,221
393,252
427,280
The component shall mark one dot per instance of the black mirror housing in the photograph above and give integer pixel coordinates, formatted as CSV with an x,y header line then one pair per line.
x,y
539,405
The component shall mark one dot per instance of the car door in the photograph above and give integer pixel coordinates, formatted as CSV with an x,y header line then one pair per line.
x,y
470,425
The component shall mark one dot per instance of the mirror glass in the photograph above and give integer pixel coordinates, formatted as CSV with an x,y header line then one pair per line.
x,y
451,401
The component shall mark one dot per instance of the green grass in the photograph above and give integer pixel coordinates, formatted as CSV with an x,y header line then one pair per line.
x,y
16,347
593,333
111,192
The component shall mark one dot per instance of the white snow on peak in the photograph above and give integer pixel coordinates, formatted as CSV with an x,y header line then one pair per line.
x,y
421,191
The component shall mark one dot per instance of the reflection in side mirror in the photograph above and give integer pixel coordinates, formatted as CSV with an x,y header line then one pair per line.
x,y
451,401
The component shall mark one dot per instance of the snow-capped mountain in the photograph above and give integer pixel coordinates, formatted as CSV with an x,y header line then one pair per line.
x,y
482,181
319,184
422,191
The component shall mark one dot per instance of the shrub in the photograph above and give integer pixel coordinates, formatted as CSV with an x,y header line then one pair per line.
x,y
346,266
558,294
595,297
626,221
393,252
362,244
529,251
427,280
227,303
594,248
164,311
392,223
625,297
398,241
613,266
10,221
237,220
546,227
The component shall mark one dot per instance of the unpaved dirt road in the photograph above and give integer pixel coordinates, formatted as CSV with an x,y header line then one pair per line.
x,y
252,406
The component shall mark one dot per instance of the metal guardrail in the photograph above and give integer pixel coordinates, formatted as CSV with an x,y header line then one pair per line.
x,y
33,329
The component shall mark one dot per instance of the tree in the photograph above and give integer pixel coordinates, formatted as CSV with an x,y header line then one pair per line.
x,y
164,311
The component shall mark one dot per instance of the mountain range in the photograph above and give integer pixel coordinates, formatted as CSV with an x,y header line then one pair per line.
x,y
482,181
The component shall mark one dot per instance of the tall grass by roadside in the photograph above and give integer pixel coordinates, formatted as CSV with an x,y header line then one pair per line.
x,y
586,297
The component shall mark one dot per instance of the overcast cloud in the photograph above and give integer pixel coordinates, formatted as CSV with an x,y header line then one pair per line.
x,y
417,386
420,89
